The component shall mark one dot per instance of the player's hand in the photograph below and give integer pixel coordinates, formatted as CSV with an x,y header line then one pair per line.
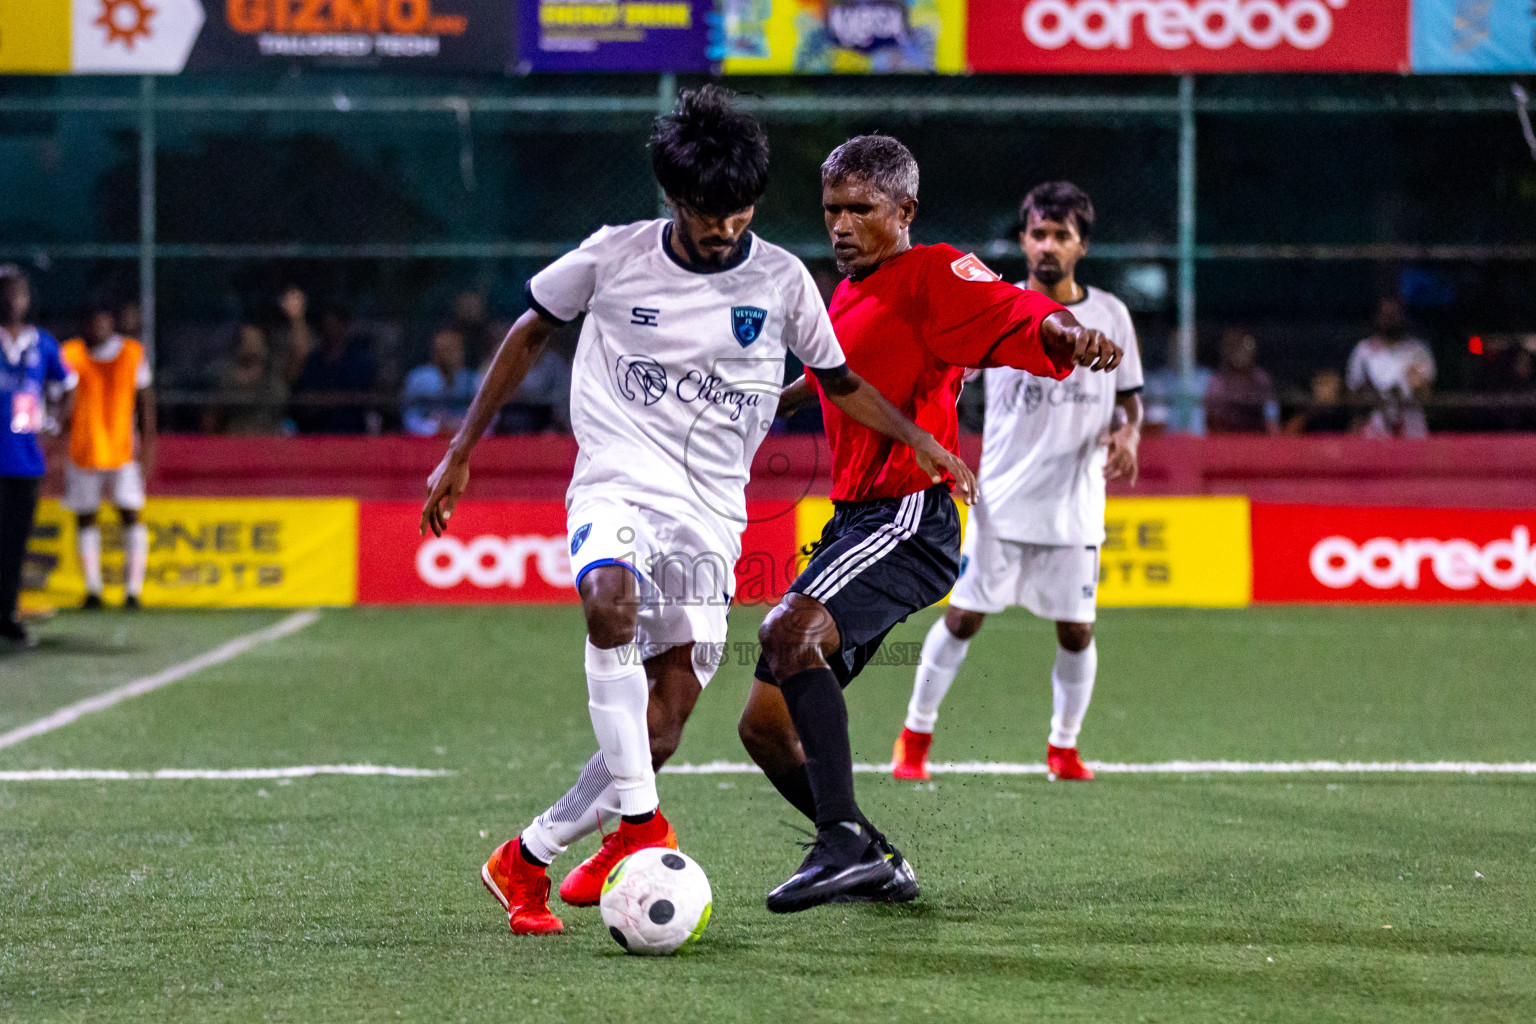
x,y
444,486
1123,438
1090,348
1094,350
937,461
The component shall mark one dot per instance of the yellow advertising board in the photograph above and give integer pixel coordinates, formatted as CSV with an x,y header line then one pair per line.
x,y
1158,552
209,553
34,37
819,37
1176,552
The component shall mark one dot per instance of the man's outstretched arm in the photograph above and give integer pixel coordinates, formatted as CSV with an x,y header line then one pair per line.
x,y
519,352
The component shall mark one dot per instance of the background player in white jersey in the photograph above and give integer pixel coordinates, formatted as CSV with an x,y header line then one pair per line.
x,y
1034,533
675,383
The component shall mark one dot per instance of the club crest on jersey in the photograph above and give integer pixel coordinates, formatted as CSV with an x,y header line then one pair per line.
x,y
641,377
970,268
580,537
747,324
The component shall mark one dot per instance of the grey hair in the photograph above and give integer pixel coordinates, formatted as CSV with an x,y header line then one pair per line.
x,y
878,159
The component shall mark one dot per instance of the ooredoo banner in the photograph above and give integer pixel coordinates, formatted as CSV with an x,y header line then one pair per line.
x,y
516,552
1116,36
1307,553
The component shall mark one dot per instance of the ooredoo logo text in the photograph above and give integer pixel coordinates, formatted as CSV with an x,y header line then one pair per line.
x,y
489,561
1177,24
1385,563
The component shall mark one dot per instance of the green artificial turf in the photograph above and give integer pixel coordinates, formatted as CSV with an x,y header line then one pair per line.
x,y
1134,898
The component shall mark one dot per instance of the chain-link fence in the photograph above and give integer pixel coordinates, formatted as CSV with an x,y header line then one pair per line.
x,y
1284,206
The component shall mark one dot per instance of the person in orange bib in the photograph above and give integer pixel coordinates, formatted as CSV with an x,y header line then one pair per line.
x,y
107,455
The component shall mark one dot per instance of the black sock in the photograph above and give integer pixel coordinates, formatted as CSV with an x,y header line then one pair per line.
x,y
637,819
795,786
522,848
816,705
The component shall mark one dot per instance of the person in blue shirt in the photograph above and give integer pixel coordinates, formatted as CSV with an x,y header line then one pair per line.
x,y
437,393
31,376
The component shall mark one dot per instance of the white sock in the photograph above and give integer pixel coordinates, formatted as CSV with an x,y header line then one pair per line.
x,y
617,698
943,653
88,543
1071,690
135,557
590,805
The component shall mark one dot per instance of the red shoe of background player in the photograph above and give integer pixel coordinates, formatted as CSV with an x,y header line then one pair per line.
x,y
1062,763
522,888
910,758
583,887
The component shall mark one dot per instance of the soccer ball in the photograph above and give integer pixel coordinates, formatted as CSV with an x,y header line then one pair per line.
x,y
656,901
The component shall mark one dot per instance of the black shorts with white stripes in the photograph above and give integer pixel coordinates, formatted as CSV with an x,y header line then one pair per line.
x,y
876,563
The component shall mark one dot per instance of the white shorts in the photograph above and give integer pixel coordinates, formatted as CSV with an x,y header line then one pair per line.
x,y
84,488
1056,582
686,572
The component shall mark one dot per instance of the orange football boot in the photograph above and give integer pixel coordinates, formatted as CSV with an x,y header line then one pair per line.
x,y
1063,764
522,888
910,758
583,887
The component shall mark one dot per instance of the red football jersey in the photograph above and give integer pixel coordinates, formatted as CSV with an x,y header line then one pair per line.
x,y
911,329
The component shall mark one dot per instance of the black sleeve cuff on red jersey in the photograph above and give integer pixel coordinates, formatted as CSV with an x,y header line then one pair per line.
x,y
830,373
538,307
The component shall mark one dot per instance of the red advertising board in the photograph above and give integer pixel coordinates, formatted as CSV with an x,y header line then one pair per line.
x,y
1121,36
515,552
1392,555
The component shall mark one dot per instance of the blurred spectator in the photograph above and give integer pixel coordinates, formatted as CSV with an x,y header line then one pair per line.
x,y
250,395
437,393
1240,399
1393,372
1169,410
1510,371
130,320
471,319
543,402
293,339
338,375
1325,412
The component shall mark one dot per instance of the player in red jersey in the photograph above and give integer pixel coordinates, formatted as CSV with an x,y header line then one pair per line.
x,y
911,319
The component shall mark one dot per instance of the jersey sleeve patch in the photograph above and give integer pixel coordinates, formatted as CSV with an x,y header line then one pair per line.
x,y
970,268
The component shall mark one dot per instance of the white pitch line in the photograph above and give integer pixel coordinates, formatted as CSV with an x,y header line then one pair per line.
x,y
138,687
1165,768
302,771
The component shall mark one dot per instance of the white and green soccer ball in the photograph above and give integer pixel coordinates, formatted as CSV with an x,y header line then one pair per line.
x,y
656,901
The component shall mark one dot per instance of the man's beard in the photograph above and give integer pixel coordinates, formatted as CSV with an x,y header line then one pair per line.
x,y
716,260
1048,274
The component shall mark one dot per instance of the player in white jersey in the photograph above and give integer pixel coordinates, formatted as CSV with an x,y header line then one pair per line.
x,y
675,382
1034,533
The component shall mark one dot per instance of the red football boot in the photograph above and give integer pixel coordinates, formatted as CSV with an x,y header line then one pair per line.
x,y
522,888
1062,763
655,832
910,758
583,887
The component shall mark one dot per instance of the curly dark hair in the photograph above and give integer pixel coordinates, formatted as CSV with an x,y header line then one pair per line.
x,y
708,156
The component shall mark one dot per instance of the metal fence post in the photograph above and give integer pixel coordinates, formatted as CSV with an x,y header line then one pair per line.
x,y
147,214
666,99
1186,340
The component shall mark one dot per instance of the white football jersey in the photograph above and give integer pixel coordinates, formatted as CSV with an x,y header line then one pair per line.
x,y
677,373
1042,467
